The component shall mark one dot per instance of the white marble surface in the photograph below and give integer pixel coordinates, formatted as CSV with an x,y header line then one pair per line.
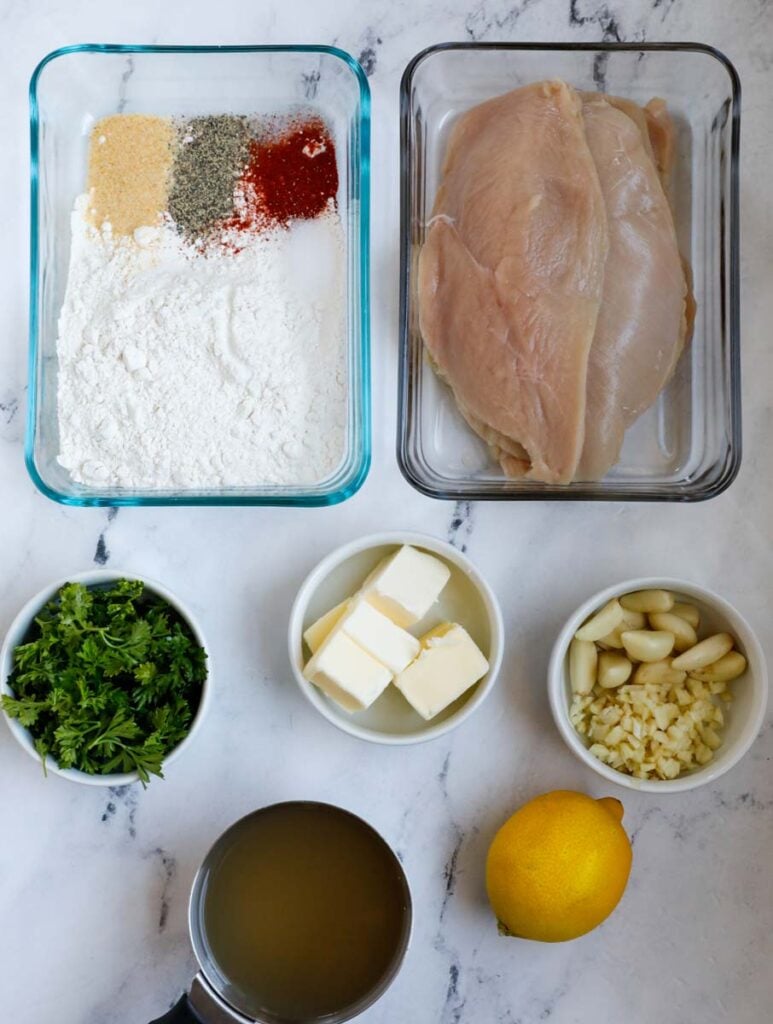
x,y
93,885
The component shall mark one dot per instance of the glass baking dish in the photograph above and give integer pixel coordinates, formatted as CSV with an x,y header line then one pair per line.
x,y
687,447
74,86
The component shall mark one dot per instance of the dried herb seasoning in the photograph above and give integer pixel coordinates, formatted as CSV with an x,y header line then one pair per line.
x,y
210,156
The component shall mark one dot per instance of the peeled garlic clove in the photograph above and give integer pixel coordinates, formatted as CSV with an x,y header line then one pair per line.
x,y
612,640
583,659
688,612
647,644
705,653
613,670
634,620
659,672
685,636
603,622
648,601
728,667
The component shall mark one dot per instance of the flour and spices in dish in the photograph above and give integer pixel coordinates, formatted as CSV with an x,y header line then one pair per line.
x,y
202,338
553,298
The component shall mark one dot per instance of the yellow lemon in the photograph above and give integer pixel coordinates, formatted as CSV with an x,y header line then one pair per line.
x,y
558,866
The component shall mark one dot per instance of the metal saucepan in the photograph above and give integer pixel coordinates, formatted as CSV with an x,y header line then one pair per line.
x,y
212,999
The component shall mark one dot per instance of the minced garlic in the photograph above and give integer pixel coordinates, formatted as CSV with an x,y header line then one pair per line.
x,y
652,730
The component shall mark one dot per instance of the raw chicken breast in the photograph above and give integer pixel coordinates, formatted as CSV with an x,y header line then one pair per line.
x,y
642,324
511,276
656,127
660,129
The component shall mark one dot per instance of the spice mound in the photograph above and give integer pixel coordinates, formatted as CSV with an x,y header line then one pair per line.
x,y
288,176
202,339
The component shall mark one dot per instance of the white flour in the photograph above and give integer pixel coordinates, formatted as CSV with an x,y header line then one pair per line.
x,y
179,370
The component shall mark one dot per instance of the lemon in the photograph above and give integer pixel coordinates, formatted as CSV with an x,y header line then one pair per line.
x,y
558,867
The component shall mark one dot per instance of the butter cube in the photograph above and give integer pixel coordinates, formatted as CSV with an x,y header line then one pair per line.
x,y
379,636
318,630
405,587
346,673
449,663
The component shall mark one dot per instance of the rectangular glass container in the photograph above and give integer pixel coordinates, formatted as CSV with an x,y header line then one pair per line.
x,y
687,446
72,88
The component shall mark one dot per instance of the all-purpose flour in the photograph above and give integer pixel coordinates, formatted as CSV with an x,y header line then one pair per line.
x,y
179,369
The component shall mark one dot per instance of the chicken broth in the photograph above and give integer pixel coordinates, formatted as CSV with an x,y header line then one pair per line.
x,y
305,912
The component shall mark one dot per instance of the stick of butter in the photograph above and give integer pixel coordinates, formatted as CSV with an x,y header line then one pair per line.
x,y
405,587
318,630
378,635
346,673
449,663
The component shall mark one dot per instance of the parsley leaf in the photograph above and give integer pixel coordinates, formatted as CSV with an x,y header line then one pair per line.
x,y
107,680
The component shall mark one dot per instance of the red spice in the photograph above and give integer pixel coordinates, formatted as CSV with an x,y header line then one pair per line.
x,y
288,176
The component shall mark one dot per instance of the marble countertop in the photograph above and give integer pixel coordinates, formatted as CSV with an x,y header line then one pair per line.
x,y
94,883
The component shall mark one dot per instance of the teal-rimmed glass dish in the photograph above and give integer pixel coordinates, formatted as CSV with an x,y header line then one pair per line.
x,y
73,87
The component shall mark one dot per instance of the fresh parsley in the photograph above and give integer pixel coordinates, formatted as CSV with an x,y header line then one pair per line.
x,y
108,679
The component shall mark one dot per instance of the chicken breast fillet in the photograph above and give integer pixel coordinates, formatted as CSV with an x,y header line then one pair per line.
x,y
642,324
511,276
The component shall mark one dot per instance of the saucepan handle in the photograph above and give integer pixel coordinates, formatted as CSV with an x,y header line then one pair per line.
x,y
181,1013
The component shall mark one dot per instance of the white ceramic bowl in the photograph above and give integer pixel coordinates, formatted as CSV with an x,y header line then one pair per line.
x,y
743,717
466,599
18,630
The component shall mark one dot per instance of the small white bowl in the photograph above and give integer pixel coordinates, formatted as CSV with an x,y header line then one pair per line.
x,y
466,599
18,630
743,717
